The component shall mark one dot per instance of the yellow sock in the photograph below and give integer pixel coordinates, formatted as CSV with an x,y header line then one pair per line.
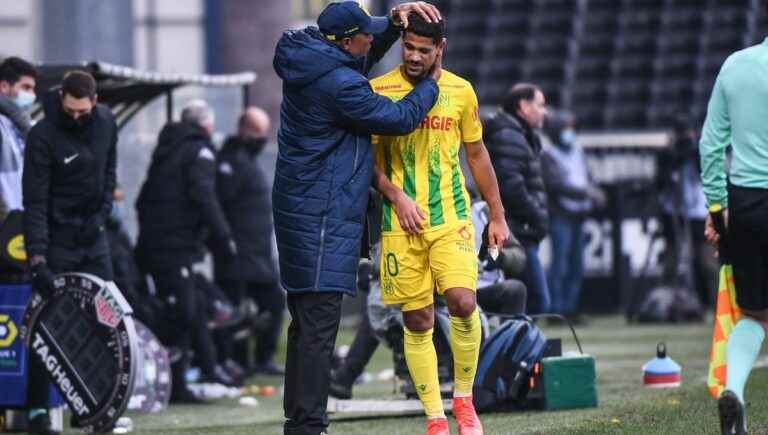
x,y
465,345
421,358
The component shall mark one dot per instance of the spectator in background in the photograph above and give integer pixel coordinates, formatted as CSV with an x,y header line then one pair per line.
x,y
245,198
684,208
176,207
17,94
70,167
571,197
515,150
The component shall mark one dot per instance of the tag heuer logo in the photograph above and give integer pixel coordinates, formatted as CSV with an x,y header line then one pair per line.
x,y
108,311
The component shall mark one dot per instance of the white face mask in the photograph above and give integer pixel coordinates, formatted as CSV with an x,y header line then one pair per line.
x,y
568,136
25,99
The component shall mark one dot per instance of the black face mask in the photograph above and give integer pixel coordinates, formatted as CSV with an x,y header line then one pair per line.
x,y
254,145
71,123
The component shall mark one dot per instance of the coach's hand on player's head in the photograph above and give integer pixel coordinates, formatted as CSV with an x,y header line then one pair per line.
x,y
437,67
498,232
409,214
426,10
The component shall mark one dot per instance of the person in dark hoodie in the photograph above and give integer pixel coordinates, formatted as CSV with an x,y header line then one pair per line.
x,y
572,195
177,207
244,194
515,150
69,176
17,94
323,171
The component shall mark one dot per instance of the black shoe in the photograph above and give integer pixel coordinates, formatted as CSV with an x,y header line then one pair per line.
x,y
270,368
41,425
340,391
185,396
731,414
221,376
234,369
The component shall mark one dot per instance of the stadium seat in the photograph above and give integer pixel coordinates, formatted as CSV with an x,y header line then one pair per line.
x,y
625,116
681,66
629,91
600,44
679,43
686,18
632,66
636,43
618,63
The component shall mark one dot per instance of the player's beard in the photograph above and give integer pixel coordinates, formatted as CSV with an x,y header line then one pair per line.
x,y
418,76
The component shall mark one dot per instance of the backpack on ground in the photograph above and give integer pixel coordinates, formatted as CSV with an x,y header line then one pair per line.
x,y
506,363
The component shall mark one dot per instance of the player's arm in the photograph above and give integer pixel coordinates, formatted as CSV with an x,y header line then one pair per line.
x,y
409,214
485,178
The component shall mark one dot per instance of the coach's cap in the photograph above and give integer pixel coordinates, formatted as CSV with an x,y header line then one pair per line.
x,y
344,19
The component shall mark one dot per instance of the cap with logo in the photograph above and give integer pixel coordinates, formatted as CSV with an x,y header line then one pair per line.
x,y
344,19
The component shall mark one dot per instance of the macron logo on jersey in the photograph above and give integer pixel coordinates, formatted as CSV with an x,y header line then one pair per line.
x,y
435,122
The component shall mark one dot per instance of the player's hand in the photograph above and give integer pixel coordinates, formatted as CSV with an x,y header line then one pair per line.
x,y
426,10
498,232
711,234
408,213
437,68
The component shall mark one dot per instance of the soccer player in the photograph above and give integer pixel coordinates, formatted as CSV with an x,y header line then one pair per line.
x,y
427,233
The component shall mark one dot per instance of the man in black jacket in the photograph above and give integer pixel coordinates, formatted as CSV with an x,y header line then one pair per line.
x,y
69,176
515,151
177,206
245,197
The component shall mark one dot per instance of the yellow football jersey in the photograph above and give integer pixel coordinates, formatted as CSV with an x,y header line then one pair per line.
x,y
425,163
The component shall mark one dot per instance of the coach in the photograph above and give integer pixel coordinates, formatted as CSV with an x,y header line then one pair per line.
x,y
323,171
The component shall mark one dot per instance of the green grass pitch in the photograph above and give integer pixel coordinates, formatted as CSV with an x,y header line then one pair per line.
x,y
625,406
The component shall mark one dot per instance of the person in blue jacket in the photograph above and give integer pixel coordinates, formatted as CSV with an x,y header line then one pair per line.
x,y
323,171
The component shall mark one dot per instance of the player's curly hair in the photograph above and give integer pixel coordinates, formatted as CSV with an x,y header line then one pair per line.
x,y
418,26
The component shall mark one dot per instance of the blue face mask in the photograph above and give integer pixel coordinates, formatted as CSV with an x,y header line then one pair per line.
x,y
568,136
25,99
116,215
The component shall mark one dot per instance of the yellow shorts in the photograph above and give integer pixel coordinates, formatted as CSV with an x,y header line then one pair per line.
x,y
413,266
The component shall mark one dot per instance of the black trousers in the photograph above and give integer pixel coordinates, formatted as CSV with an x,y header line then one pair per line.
x,y
175,285
747,243
507,297
362,349
94,260
311,339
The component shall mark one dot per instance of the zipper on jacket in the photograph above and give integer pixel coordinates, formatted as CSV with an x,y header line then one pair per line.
x,y
354,163
319,265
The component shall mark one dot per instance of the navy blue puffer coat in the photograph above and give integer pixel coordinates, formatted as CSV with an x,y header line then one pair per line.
x,y
325,164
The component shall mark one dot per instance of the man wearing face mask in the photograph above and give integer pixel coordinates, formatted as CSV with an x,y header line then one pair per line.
x,y
17,94
69,177
177,209
571,196
245,198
